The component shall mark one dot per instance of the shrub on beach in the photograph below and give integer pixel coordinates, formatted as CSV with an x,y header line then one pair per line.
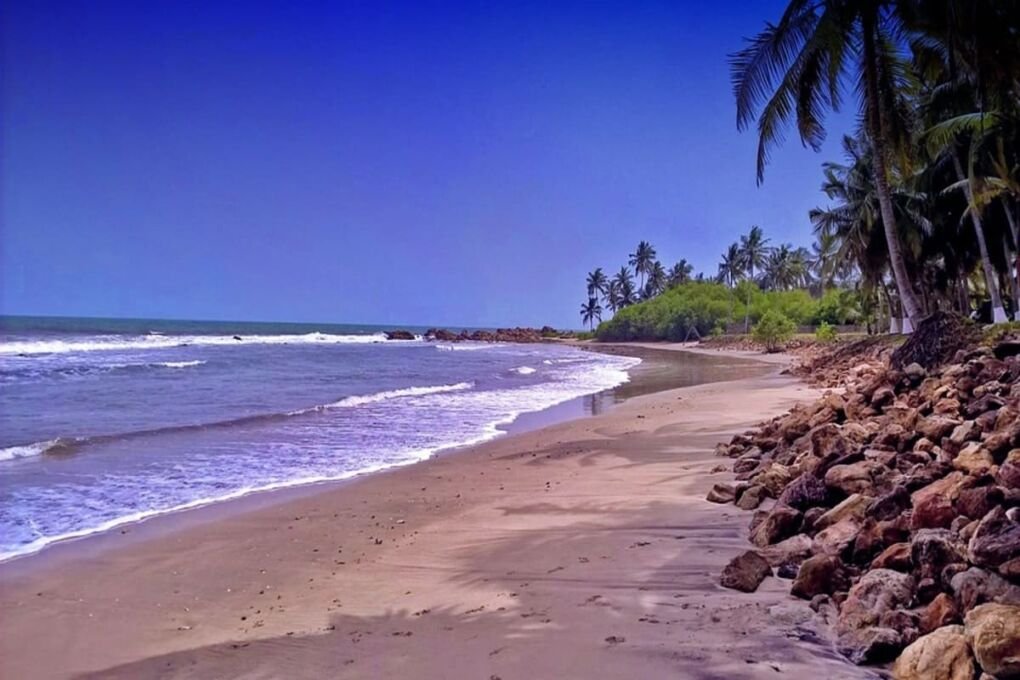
x,y
773,330
684,312
825,333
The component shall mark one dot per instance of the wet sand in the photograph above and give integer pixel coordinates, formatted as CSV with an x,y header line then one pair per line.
x,y
583,549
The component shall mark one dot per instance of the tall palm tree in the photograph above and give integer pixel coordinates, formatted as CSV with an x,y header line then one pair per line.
x,y
625,286
591,312
680,273
642,259
613,298
657,280
754,250
798,68
731,267
597,282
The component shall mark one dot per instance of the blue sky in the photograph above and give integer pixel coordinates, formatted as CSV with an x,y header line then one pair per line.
x,y
416,163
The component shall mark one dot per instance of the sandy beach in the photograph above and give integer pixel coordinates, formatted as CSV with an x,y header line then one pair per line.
x,y
583,549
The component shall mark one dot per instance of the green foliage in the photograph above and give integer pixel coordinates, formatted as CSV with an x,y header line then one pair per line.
x,y
773,330
718,331
674,315
797,305
825,333
839,306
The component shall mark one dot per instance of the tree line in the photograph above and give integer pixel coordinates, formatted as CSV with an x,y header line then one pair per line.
x,y
924,206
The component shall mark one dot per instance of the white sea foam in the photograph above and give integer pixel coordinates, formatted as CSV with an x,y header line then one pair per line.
x,y
180,364
359,400
29,450
107,343
467,346
524,370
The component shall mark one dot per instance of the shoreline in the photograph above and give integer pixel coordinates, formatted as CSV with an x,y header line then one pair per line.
x,y
654,360
166,595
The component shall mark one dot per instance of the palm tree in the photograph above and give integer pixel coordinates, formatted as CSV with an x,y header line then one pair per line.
x,y
680,273
642,259
591,312
754,250
797,68
657,280
613,297
596,283
625,286
731,267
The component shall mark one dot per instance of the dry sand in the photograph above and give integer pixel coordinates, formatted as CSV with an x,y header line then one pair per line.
x,y
582,550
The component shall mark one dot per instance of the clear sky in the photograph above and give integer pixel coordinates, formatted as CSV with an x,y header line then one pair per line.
x,y
372,162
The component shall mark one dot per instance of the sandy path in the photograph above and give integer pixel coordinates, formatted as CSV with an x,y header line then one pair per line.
x,y
581,550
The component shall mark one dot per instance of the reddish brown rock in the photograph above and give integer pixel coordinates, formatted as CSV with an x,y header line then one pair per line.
x,y
818,575
745,572
995,540
977,502
781,522
941,611
896,556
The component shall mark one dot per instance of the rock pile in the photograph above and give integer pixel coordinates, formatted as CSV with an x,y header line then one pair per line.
x,y
894,507
499,335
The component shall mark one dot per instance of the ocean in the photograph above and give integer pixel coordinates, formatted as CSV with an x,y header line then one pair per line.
x,y
105,422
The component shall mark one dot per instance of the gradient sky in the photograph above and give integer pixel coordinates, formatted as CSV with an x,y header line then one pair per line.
x,y
395,163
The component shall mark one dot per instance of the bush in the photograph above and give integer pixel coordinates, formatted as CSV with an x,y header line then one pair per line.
x,y
773,330
825,333
690,310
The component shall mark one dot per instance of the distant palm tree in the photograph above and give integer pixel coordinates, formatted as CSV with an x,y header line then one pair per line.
x,y
657,280
625,286
613,299
680,273
597,282
642,259
754,250
731,267
591,312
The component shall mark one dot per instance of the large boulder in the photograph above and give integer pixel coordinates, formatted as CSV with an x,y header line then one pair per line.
x,y
804,492
745,572
935,427
861,637
993,631
1009,472
974,459
995,541
751,497
853,507
977,502
940,655
820,575
721,493
781,522
931,550
896,557
852,478
975,586
933,504
837,538
941,611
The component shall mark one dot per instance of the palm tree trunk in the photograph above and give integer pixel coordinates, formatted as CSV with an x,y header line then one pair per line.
x,y
1014,276
991,281
877,130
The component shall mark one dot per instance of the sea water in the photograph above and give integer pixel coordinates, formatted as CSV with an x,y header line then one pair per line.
x,y
104,422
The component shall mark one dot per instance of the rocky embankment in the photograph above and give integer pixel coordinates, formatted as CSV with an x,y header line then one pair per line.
x,y
893,503
499,335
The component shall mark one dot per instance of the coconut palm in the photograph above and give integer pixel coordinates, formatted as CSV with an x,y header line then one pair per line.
x,y
597,282
625,286
613,298
754,250
591,312
731,267
797,68
657,280
642,259
680,273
